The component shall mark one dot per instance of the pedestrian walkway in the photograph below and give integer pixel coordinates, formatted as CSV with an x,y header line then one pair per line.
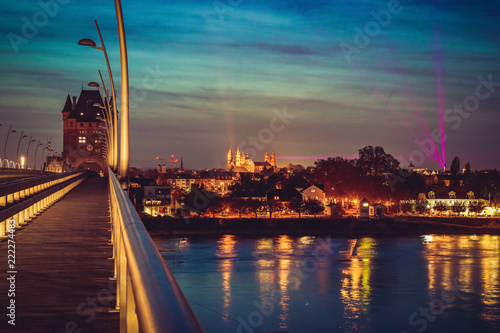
x,y
62,280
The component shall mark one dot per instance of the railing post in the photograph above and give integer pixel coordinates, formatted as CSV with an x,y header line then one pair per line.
x,y
121,289
132,320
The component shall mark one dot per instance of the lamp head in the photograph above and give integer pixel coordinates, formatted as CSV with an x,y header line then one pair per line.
x,y
86,42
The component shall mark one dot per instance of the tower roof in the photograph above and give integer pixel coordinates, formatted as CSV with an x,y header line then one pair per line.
x,y
85,110
68,106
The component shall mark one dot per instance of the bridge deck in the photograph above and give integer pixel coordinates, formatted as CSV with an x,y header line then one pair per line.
x,y
62,281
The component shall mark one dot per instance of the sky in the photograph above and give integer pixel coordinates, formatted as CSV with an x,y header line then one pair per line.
x,y
305,79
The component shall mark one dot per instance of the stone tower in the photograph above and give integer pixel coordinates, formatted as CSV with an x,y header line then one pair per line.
x,y
229,156
83,138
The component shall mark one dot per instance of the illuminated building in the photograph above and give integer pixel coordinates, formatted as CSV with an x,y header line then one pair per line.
x,y
240,162
313,192
364,209
157,200
446,196
83,138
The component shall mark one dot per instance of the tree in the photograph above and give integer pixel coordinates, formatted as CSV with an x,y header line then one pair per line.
x,y
375,161
413,184
407,207
458,207
297,205
215,205
476,207
455,165
272,206
441,207
314,207
253,206
239,206
422,206
339,176
486,185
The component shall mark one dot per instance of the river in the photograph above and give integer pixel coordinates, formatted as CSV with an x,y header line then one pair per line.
x,y
428,283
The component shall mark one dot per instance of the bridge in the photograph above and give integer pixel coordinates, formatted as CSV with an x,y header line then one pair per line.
x,y
77,258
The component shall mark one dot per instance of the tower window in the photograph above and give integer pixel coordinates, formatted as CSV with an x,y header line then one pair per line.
x,y
81,139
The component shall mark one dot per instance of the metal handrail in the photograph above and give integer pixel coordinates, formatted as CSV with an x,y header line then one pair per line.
x,y
148,297
23,184
27,202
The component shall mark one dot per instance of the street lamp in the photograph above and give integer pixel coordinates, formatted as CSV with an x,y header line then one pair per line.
x,y
92,44
28,150
18,144
107,135
6,140
108,127
41,157
112,117
124,126
36,150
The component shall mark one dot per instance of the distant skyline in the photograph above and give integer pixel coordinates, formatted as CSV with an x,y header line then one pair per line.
x,y
304,79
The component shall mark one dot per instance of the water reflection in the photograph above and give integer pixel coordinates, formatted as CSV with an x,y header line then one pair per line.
x,y
469,262
225,250
355,291
284,251
361,285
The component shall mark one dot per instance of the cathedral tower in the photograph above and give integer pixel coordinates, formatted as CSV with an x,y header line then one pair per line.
x,y
229,157
238,157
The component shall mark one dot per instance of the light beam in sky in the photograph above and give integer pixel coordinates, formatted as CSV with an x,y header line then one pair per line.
x,y
438,70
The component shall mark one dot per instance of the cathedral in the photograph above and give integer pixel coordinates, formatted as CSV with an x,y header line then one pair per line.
x,y
240,162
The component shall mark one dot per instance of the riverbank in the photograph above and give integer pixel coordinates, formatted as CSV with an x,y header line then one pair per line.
x,y
342,227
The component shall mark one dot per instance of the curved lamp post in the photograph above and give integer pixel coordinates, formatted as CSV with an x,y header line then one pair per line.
x,y
92,44
124,125
41,157
6,140
28,150
18,144
110,116
36,150
106,134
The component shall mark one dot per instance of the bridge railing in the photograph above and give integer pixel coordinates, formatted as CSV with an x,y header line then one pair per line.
x,y
22,200
148,297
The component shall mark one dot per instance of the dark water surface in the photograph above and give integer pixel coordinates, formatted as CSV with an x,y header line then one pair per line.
x,y
432,283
